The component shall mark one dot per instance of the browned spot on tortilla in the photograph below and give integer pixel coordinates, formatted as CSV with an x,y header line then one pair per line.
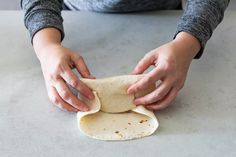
x,y
125,128
141,121
104,129
129,123
118,133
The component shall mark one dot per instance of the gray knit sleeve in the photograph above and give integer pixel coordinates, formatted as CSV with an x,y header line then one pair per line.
x,y
200,18
41,14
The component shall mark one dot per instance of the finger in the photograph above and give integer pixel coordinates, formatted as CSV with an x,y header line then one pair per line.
x,y
81,66
144,63
74,81
65,93
165,102
152,77
156,95
57,100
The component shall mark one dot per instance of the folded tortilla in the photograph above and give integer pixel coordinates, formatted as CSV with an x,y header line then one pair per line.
x,y
112,114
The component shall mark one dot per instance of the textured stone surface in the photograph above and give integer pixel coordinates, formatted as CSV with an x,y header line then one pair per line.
x,y
200,122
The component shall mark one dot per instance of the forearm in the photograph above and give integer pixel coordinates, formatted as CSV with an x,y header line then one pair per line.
x,y
45,38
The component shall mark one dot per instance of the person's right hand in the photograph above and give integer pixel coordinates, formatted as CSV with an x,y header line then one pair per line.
x,y
57,64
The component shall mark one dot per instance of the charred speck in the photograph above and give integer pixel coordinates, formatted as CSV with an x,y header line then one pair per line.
x,y
141,121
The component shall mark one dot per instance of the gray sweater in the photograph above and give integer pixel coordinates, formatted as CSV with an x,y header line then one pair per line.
x,y
200,17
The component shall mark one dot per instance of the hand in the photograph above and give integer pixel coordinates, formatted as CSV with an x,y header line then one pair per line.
x,y
57,63
171,62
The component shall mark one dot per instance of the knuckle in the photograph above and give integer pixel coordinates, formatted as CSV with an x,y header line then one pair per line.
x,y
65,95
168,67
151,79
78,57
139,67
66,108
137,88
53,77
62,107
83,89
159,95
54,100
74,83
144,101
179,81
147,55
60,68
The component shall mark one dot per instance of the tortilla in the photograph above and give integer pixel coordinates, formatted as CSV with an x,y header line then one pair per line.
x,y
112,114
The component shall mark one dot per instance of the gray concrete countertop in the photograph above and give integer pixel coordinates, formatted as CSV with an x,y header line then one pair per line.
x,y
200,122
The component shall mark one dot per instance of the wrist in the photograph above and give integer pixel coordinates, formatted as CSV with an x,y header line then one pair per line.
x,y
188,43
44,51
46,39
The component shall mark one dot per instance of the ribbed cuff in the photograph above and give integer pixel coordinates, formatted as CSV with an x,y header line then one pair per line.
x,y
198,28
44,19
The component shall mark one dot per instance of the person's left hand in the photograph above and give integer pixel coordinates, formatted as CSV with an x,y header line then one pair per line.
x,y
171,62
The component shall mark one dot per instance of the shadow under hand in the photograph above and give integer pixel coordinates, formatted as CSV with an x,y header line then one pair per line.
x,y
176,119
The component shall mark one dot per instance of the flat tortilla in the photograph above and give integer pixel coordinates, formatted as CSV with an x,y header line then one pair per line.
x,y
112,115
